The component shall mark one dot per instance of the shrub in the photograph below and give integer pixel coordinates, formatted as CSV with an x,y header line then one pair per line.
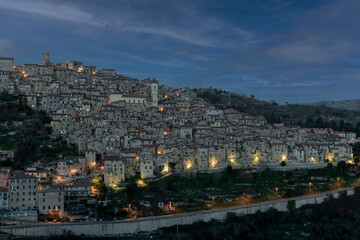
x,y
291,205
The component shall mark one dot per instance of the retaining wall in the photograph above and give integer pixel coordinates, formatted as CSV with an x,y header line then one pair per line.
x,y
148,224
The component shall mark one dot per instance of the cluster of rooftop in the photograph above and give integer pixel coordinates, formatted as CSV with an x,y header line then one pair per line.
x,y
141,126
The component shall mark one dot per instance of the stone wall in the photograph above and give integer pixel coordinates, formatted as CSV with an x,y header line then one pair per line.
x,y
149,224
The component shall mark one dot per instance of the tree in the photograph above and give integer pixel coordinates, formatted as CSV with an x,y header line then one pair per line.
x,y
356,149
291,205
103,191
172,166
283,163
274,103
333,124
309,122
229,169
356,159
341,166
319,122
342,124
130,190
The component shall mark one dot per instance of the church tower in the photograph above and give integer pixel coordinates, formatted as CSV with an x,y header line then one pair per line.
x,y
154,93
45,58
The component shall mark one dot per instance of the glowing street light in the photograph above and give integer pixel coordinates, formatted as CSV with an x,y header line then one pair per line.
x,y
256,160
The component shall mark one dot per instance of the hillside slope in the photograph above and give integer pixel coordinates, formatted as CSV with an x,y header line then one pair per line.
x,y
25,135
318,116
352,104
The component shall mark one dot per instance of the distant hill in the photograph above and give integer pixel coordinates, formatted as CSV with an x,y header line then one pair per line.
x,y
353,104
304,115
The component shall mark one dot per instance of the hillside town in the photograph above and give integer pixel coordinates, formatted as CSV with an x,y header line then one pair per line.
x,y
123,127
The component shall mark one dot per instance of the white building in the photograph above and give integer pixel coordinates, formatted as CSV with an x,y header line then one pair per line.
x,y
4,198
23,192
51,201
114,170
146,169
6,64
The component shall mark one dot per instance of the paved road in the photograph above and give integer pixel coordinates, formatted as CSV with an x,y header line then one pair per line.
x,y
188,213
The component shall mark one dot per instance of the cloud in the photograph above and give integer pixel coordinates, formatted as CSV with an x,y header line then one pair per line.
x,y
198,29
166,62
51,10
276,49
310,51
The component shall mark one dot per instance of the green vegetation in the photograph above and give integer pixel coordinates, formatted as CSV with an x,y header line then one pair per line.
x,y
291,114
27,134
291,205
333,219
5,97
213,190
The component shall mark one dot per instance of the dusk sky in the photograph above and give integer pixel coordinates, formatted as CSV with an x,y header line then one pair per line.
x,y
294,51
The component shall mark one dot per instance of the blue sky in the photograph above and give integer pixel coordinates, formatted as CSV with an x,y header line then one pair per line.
x,y
288,51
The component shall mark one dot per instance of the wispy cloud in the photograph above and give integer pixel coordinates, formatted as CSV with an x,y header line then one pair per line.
x,y
166,62
278,49
200,30
51,9
308,51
